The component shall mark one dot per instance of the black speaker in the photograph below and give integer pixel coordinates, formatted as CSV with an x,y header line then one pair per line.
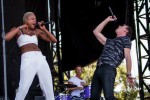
x,y
39,98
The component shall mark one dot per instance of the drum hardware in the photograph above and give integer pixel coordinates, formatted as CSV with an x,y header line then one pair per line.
x,y
63,95
87,92
67,85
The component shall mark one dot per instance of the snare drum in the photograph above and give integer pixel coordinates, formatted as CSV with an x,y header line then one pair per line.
x,y
63,97
87,92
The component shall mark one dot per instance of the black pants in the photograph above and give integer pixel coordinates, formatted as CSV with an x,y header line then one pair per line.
x,y
103,79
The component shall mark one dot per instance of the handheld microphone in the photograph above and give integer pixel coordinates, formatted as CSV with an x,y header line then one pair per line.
x,y
45,23
112,14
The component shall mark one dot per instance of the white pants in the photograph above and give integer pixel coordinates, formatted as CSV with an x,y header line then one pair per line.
x,y
33,63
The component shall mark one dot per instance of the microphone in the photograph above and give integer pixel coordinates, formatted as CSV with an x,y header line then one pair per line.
x,y
112,14
45,23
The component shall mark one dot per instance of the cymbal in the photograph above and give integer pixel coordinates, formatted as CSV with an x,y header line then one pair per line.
x,y
67,85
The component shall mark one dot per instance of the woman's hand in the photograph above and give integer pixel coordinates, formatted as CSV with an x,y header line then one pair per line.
x,y
41,25
24,26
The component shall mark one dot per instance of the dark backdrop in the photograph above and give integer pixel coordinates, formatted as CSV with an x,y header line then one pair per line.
x,y
79,18
13,13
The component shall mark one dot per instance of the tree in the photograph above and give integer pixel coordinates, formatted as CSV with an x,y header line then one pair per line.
x,y
126,92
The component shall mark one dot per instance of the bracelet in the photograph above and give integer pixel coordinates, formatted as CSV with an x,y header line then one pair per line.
x,y
128,75
20,27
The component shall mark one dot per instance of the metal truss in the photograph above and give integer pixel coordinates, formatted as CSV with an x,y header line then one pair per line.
x,y
56,48
142,21
58,74
56,57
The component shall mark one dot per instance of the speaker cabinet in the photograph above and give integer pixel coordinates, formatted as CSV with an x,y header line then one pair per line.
x,y
39,98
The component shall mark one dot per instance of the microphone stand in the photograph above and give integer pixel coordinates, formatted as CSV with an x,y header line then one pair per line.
x,y
4,52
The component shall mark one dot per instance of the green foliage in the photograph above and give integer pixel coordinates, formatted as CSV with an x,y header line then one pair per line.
x,y
88,73
125,93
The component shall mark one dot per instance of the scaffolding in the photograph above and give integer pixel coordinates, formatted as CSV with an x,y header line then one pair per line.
x,y
142,21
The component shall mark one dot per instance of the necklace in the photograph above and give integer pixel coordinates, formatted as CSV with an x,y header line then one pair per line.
x,y
31,33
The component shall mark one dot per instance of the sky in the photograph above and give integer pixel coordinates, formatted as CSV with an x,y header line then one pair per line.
x,y
134,59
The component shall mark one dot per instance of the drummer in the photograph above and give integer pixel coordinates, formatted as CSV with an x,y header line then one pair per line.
x,y
77,93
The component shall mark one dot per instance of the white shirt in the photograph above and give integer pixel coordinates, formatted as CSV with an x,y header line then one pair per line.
x,y
76,81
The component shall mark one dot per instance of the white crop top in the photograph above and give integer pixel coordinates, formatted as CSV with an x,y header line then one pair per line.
x,y
24,39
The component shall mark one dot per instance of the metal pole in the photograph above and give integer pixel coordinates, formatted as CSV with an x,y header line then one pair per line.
x,y
4,52
49,12
50,29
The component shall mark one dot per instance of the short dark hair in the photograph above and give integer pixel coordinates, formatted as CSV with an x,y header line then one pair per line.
x,y
130,32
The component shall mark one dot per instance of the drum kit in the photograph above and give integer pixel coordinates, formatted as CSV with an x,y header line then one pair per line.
x,y
66,96
87,92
